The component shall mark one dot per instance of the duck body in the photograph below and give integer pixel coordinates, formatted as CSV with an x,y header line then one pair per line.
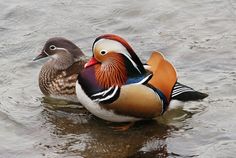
x,y
123,103
58,75
59,83
116,87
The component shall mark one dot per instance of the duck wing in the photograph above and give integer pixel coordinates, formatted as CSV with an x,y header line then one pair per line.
x,y
164,74
185,93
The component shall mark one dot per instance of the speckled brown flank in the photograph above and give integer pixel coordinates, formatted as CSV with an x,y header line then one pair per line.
x,y
59,82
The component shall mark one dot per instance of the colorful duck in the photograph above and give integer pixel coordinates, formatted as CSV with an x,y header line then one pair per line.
x,y
116,86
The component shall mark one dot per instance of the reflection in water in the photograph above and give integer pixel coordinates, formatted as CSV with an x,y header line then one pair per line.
x,y
197,36
79,133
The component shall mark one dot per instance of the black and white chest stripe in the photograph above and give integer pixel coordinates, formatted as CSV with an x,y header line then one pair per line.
x,y
111,94
107,96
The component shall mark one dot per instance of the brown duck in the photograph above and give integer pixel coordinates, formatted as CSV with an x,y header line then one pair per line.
x,y
58,75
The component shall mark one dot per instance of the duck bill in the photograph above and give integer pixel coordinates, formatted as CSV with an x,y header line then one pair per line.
x,y
91,62
40,56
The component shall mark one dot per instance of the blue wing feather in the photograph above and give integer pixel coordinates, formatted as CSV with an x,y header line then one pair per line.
x,y
141,79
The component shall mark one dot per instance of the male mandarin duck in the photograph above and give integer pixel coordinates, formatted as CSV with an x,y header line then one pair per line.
x,y
58,75
116,86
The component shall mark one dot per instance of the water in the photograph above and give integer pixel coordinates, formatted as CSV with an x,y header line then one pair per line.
x,y
198,37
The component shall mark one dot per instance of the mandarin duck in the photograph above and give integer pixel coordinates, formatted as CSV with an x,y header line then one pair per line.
x,y
58,75
117,87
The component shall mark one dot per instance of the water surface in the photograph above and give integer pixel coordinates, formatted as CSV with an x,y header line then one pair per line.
x,y
198,37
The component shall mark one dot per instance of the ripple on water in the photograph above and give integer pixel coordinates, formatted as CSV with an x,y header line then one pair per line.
x,y
198,36
220,149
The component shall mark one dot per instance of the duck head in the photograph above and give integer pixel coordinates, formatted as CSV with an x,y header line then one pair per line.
x,y
54,46
113,61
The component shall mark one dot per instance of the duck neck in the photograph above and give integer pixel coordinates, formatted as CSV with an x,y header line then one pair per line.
x,y
61,61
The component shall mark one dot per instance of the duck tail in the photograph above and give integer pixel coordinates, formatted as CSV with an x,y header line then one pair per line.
x,y
184,93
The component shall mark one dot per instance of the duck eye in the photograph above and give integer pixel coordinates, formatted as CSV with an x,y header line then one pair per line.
x,y
52,47
103,52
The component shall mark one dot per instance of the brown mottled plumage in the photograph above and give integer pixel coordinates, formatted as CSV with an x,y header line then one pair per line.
x,y
58,75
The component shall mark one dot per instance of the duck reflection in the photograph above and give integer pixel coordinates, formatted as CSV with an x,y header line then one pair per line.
x,y
79,133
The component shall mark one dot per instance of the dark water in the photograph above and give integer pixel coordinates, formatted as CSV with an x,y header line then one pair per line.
x,y
199,37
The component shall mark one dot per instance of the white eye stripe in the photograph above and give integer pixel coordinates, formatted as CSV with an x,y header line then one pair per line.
x,y
110,45
61,49
53,47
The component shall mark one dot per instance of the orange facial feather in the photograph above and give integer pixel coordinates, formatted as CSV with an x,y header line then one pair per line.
x,y
112,72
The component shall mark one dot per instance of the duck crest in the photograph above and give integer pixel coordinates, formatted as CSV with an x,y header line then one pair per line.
x,y
132,53
64,43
